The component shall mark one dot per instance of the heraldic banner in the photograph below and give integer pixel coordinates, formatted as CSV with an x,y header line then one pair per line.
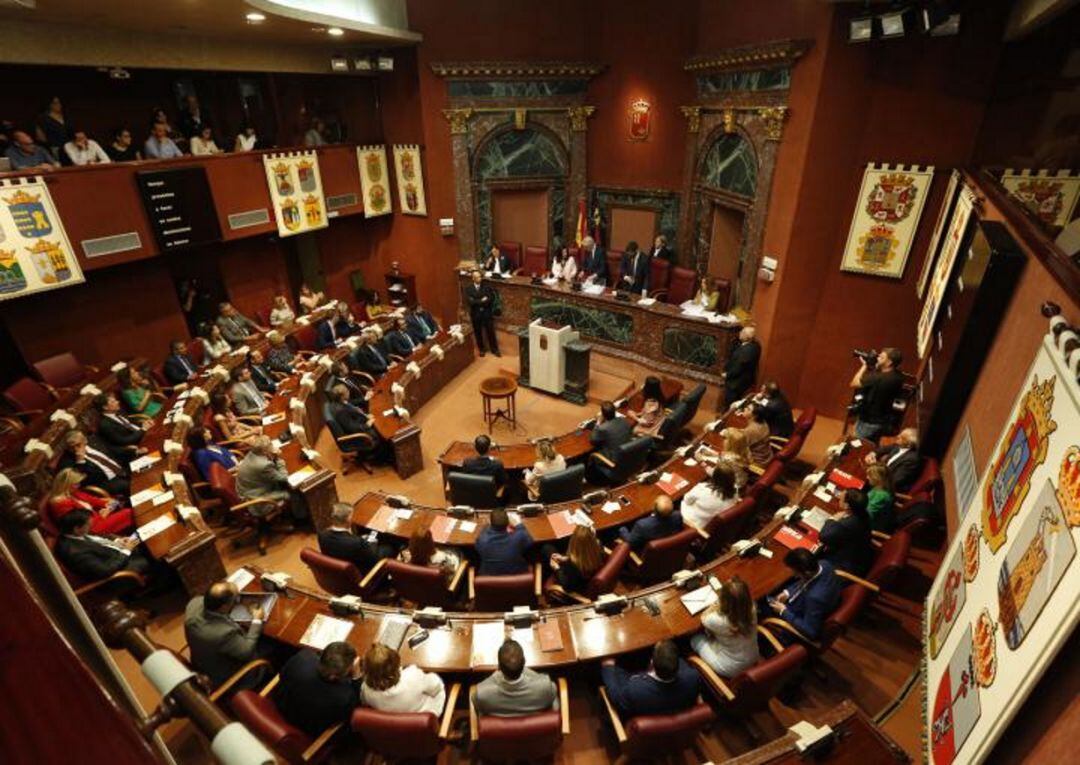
x,y
410,179
1003,602
950,251
35,254
296,191
887,214
1052,198
375,180
939,229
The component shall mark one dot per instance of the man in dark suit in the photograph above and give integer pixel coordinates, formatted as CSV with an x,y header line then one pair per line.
x,y
501,551
261,374
326,334
634,273
669,685
498,263
611,431
102,468
902,459
339,375
398,340
338,541
317,690
664,521
368,357
777,410
235,327
95,557
807,600
741,367
480,298
482,464
179,368
353,421
420,325
593,261
661,250
846,537
120,434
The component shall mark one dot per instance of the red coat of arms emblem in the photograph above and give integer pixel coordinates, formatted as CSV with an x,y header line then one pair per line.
x,y
892,198
373,163
1043,196
639,120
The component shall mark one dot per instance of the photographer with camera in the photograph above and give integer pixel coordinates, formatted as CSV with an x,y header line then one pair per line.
x,y
878,383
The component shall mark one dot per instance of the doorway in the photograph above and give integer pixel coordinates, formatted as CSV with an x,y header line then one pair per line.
x,y
520,216
725,247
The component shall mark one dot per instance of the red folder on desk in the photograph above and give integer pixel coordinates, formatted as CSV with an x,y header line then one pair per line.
x,y
793,538
441,528
561,523
673,486
845,480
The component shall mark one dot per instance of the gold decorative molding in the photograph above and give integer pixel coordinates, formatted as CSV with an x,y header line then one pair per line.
x,y
773,117
520,116
693,117
525,70
579,117
458,119
729,120
770,55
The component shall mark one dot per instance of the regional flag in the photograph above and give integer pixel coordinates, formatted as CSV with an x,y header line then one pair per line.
x,y
582,231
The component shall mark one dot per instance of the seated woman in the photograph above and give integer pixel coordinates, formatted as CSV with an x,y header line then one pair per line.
x,y
547,461
647,422
423,552
737,454
229,426
728,639
881,500
214,343
373,306
136,394
390,688
708,296
106,515
757,437
710,497
281,315
563,267
203,453
279,356
654,389
584,557
309,300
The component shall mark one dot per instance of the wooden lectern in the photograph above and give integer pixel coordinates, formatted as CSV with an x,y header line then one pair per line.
x,y
547,355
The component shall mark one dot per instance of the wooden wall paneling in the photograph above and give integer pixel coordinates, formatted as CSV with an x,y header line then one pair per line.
x,y
238,185
340,175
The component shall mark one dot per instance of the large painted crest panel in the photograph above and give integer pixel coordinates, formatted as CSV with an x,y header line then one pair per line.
x,y
35,254
409,170
374,180
296,192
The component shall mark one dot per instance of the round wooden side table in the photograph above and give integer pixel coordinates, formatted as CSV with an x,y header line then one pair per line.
x,y
497,392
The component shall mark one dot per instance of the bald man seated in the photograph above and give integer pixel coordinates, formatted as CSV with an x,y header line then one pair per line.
x,y
219,645
663,521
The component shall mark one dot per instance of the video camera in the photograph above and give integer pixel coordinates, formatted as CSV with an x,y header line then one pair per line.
x,y
868,357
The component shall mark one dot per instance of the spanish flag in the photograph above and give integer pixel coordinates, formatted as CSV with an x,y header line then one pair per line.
x,y
582,231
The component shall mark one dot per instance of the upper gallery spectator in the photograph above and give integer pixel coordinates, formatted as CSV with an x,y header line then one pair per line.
x,y
24,154
879,388
202,143
82,150
310,299
810,597
483,464
52,130
663,521
159,117
634,271
315,134
594,261
179,366
741,366
219,645
611,432
502,552
901,459
193,118
235,327
159,145
669,685
281,315
514,689
246,140
420,324
661,250
214,343
122,149
728,638
92,556
318,689
390,688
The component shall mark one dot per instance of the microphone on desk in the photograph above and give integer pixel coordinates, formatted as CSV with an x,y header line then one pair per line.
x,y
595,497
398,501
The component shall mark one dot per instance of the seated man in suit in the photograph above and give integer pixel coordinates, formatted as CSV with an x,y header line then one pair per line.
x,y
340,375
482,464
368,357
398,340
664,521
635,270
594,262
846,536
669,685
339,541
809,598
219,645
344,322
179,367
501,551
235,327
776,409
420,324
610,432
498,263
101,467
261,373
119,433
901,459
262,475
318,689
94,557
353,420
514,689
247,398
326,334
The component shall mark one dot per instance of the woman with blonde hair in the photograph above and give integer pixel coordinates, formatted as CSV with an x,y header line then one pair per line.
x,y
106,515
584,557
547,461
422,551
728,640
881,499
281,315
389,688
736,453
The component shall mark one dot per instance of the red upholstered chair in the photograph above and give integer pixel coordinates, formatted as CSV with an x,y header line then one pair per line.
x,y
197,351
661,558
261,716
575,253
262,317
726,527
657,736
929,481
891,559
723,287
614,266
303,339
512,250
659,275
789,449
603,581
62,370
405,736
766,479
424,585
339,577
681,286
806,421
502,593
505,739
223,485
535,262
27,397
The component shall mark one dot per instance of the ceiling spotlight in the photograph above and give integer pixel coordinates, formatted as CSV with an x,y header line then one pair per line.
x,y
363,65
897,23
339,64
255,17
861,29
335,31
385,63
939,22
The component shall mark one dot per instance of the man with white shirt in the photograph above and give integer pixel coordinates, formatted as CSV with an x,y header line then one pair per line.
x,y
95,557
901,459
635,270
83,150
498,263
101,468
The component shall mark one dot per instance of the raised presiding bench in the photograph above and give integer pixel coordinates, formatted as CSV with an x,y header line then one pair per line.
x,y
655,334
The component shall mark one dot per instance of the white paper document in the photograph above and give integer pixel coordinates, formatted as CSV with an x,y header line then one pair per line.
x,y
324,630
154,527
486,639
698,600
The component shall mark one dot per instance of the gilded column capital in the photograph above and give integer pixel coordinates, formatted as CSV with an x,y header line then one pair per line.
x,y
773,117
458,119
579,117
693,117
728,118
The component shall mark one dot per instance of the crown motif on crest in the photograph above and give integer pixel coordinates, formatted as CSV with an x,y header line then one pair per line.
x,y
1039,401
304,164
289,202
896,179
41,246
310,200
7,257
281,167
1068,490
880,231
21,197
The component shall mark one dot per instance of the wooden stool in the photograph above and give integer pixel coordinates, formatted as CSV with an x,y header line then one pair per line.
x,y
494,390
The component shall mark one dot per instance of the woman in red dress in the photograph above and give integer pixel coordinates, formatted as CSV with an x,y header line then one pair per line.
x,y
107,517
